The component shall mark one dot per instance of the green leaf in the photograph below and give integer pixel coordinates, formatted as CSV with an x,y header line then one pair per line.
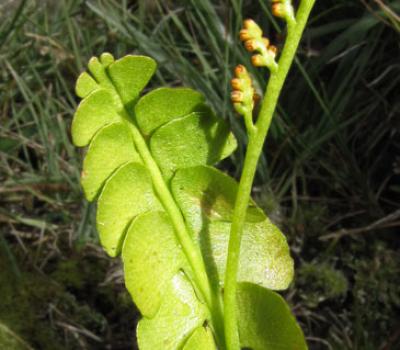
x,y
95,111
130,75
106,59
201,339
110,148
165,104
206,197
151,257
126,194
85,85
265,321
205,193
180,313
264,257
192,140
150,154
109,83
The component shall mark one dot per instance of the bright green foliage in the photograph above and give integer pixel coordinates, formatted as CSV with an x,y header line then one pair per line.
x,y
206,197
165,104
126,194
151,258
201,339
109,149
180,313
167,141
264,318
190,141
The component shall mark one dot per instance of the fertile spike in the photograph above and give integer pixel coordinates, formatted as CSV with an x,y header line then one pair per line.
x,y
242,95
251,35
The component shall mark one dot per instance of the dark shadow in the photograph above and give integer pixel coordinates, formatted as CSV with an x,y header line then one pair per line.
x,y
206,203
219,139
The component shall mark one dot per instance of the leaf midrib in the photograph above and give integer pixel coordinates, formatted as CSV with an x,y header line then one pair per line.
x,y
211,297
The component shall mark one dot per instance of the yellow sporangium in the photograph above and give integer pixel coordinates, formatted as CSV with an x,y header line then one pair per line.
x,y
243,94
284,10
251,35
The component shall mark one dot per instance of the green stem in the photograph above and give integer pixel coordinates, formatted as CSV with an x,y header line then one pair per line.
x,y
248,119
254,149
190,250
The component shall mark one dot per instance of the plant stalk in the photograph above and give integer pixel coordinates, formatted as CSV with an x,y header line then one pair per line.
x,y
190,250
254,149
193,254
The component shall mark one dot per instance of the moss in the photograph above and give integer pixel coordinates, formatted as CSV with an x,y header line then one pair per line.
x,y
321,282
10,340
376,294
23,299
68,273
38,309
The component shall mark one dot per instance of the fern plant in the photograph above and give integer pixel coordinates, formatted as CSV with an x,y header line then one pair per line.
x,y
201,260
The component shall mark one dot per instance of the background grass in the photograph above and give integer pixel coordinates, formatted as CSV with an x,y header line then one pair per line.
x,y
329,175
